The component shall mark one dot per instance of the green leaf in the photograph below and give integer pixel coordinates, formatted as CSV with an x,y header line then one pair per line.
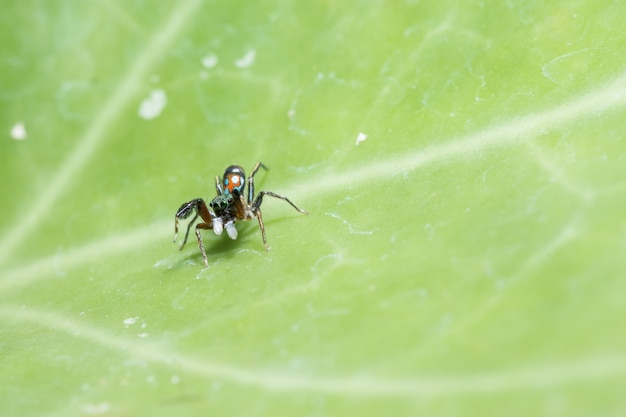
x,y
463,164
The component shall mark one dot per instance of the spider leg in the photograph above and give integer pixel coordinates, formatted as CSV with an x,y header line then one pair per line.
x,y
259,217
256,168
183,212
187,233
259,200
240,207
218,186
251,180
256,209
205,226
199,207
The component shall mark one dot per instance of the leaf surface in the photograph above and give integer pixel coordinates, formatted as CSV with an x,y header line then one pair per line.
x,y
464,168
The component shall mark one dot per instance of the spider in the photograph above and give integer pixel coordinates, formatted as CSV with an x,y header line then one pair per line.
x,y
232,203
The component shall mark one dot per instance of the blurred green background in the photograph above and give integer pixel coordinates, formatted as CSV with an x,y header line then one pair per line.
x,y
463,163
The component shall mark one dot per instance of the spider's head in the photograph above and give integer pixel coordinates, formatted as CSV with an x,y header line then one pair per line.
x,y
221,203
234,180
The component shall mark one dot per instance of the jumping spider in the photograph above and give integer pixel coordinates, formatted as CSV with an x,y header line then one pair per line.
x,y
232,203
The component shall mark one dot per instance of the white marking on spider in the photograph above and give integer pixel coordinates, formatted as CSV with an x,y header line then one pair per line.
x,y
218,225
231,230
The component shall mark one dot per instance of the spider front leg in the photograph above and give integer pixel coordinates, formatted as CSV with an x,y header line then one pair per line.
x,y
256,209
182,213
199,207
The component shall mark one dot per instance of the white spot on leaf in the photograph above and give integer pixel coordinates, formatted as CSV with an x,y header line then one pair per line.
x,y
360,138
247,60
152,106
210,61
130,321
18,131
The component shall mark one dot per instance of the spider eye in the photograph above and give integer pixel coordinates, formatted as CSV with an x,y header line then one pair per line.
x,y
221,203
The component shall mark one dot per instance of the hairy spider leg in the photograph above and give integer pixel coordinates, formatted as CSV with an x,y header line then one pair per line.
x,y
256,209
242,211
183,212
218,186
199,206
251,181
205,226
259,200
188,227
